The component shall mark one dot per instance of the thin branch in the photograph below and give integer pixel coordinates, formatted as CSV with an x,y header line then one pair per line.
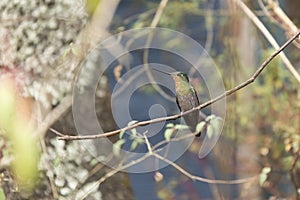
x,y
158,13
148,143
227,93
198,178
291,171
208,19
268,36
47,166
96,29
154,24
186,173
54,115
113,172
277,14
56,132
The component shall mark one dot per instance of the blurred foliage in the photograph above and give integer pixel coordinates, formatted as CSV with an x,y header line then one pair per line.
x,y
278,122
91,6
268,110
175,13
18,130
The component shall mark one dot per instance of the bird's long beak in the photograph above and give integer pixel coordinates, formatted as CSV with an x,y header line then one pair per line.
x,y
161,71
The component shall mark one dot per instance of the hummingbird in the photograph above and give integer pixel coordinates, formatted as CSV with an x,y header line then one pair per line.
x,y
186,98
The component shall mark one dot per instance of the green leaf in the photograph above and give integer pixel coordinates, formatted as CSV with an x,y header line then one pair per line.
x,y
262,179
56,161
132,122
121,134
133,131
264,175
76,51
2,194
134,145
19,131
215,126
181,126
200,126
139,140
93,162
91,6
209,131
170,125
266,170
66,52
117,147
168,134
133,136
210,117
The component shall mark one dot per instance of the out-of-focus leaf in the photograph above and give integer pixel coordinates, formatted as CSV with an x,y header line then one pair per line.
x,y
262,179
76,51
210,117
264,175
134,132
266,170
132,122
200,126
91,6
181,126
133,145
65,53
158,176
169,125
140,140
93,162
56,161
19,131
168,134
215,126
209,131
135,142
2,195
121,134
117,147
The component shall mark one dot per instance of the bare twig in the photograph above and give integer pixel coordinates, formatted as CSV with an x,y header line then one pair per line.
x,y
148,143
158,13
47,166
113,172
227,93
154,24
54,115
269,37
183,171
275,12
208,17
291,171
198,178
96,29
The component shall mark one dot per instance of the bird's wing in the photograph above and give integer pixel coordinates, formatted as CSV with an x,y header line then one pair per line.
x,y
195,96
178,103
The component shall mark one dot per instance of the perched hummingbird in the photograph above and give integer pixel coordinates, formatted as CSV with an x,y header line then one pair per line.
x,y
186,98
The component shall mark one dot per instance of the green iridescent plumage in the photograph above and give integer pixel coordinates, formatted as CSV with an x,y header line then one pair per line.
x,y
186,99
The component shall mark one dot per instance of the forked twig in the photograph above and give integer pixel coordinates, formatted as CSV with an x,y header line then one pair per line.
x,y
176,166
268,36
227,93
